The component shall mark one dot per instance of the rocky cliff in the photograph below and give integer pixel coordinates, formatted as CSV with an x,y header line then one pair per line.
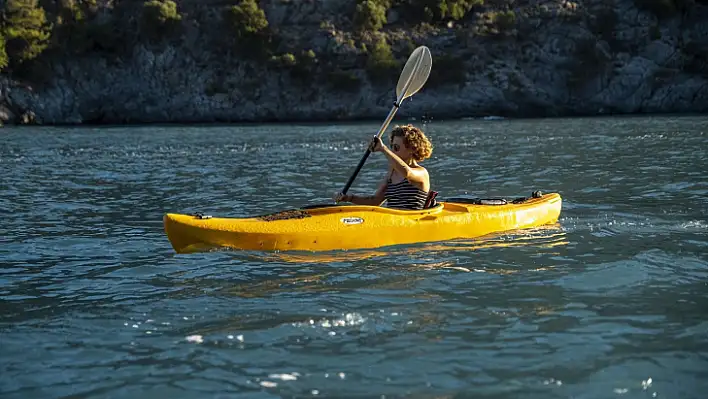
x,y
551,58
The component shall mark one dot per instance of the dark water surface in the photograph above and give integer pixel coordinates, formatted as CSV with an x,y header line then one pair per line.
x,y
612,302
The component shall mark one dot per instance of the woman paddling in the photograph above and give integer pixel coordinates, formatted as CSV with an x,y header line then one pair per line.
x,y
407,184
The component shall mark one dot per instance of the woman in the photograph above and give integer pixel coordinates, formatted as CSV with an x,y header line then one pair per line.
x,y
407,184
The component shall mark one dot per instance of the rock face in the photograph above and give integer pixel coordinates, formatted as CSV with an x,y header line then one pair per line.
x,y
559,58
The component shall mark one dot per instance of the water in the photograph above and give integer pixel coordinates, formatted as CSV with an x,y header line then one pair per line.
x,y
612,302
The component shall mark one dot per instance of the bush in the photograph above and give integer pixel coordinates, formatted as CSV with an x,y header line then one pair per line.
x,y
288,59
246,19
3,54
505,20
381,64
309,57
301,68
246,30
370,15
161,11
496,23
73,28
26,31
440,10
69,13
160,18
284,60
456,9
74,11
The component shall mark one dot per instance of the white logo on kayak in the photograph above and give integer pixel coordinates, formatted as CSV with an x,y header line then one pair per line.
x,y
352,220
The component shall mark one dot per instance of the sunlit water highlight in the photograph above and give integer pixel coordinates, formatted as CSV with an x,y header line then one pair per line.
x,y
610,302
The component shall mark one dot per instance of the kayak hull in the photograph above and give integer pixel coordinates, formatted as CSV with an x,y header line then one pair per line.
x,y
348,227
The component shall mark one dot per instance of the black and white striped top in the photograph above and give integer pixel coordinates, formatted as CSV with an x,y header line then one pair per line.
x,y
404,195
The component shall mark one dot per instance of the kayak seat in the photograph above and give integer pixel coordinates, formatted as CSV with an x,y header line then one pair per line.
x,y
430,201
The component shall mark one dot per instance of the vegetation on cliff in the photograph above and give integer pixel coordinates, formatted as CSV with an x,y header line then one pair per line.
x,y
546,56
36,31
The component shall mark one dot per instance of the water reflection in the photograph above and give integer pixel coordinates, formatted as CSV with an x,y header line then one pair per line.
x,y
543,237
397,269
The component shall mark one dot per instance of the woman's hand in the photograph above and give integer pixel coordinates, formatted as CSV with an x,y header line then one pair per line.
x,y
340,197
376,144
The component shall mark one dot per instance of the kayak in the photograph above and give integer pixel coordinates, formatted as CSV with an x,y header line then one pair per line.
x,y
347,227
344,227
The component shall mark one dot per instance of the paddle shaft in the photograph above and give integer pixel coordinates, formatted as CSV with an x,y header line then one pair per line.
x,y
385,124
368,151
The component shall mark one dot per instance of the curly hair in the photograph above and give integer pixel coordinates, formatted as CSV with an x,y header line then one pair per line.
x,y
414,140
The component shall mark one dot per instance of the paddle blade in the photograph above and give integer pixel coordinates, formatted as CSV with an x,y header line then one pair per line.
x,y
415,72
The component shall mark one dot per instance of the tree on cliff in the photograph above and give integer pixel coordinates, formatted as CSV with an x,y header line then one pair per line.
x,y
439,10
3,53
245,19
370,15
160,18
25,30
248,27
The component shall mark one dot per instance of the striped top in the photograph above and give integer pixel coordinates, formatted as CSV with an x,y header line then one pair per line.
x,y
404,195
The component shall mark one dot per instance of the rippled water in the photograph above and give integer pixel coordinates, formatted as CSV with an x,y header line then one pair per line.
x,y
611,302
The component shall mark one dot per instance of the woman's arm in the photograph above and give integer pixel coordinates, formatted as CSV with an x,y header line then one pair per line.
x,y
376,199
414,175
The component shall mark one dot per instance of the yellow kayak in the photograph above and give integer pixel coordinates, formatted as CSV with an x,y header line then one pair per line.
x,y
343,227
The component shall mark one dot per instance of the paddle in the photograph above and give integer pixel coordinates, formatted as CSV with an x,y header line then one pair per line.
x,y
415,74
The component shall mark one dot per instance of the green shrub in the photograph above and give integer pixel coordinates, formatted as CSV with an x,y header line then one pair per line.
x,y
161,11
495,23
381,64
245,19
505,20
301,68
456,9
69,13
439,10
73,25
246,31
306,65
309,57
160,18
288,59
25,30
284,60
3,54
370,15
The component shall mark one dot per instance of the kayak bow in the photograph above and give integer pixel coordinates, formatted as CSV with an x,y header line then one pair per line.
x,y
344,227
